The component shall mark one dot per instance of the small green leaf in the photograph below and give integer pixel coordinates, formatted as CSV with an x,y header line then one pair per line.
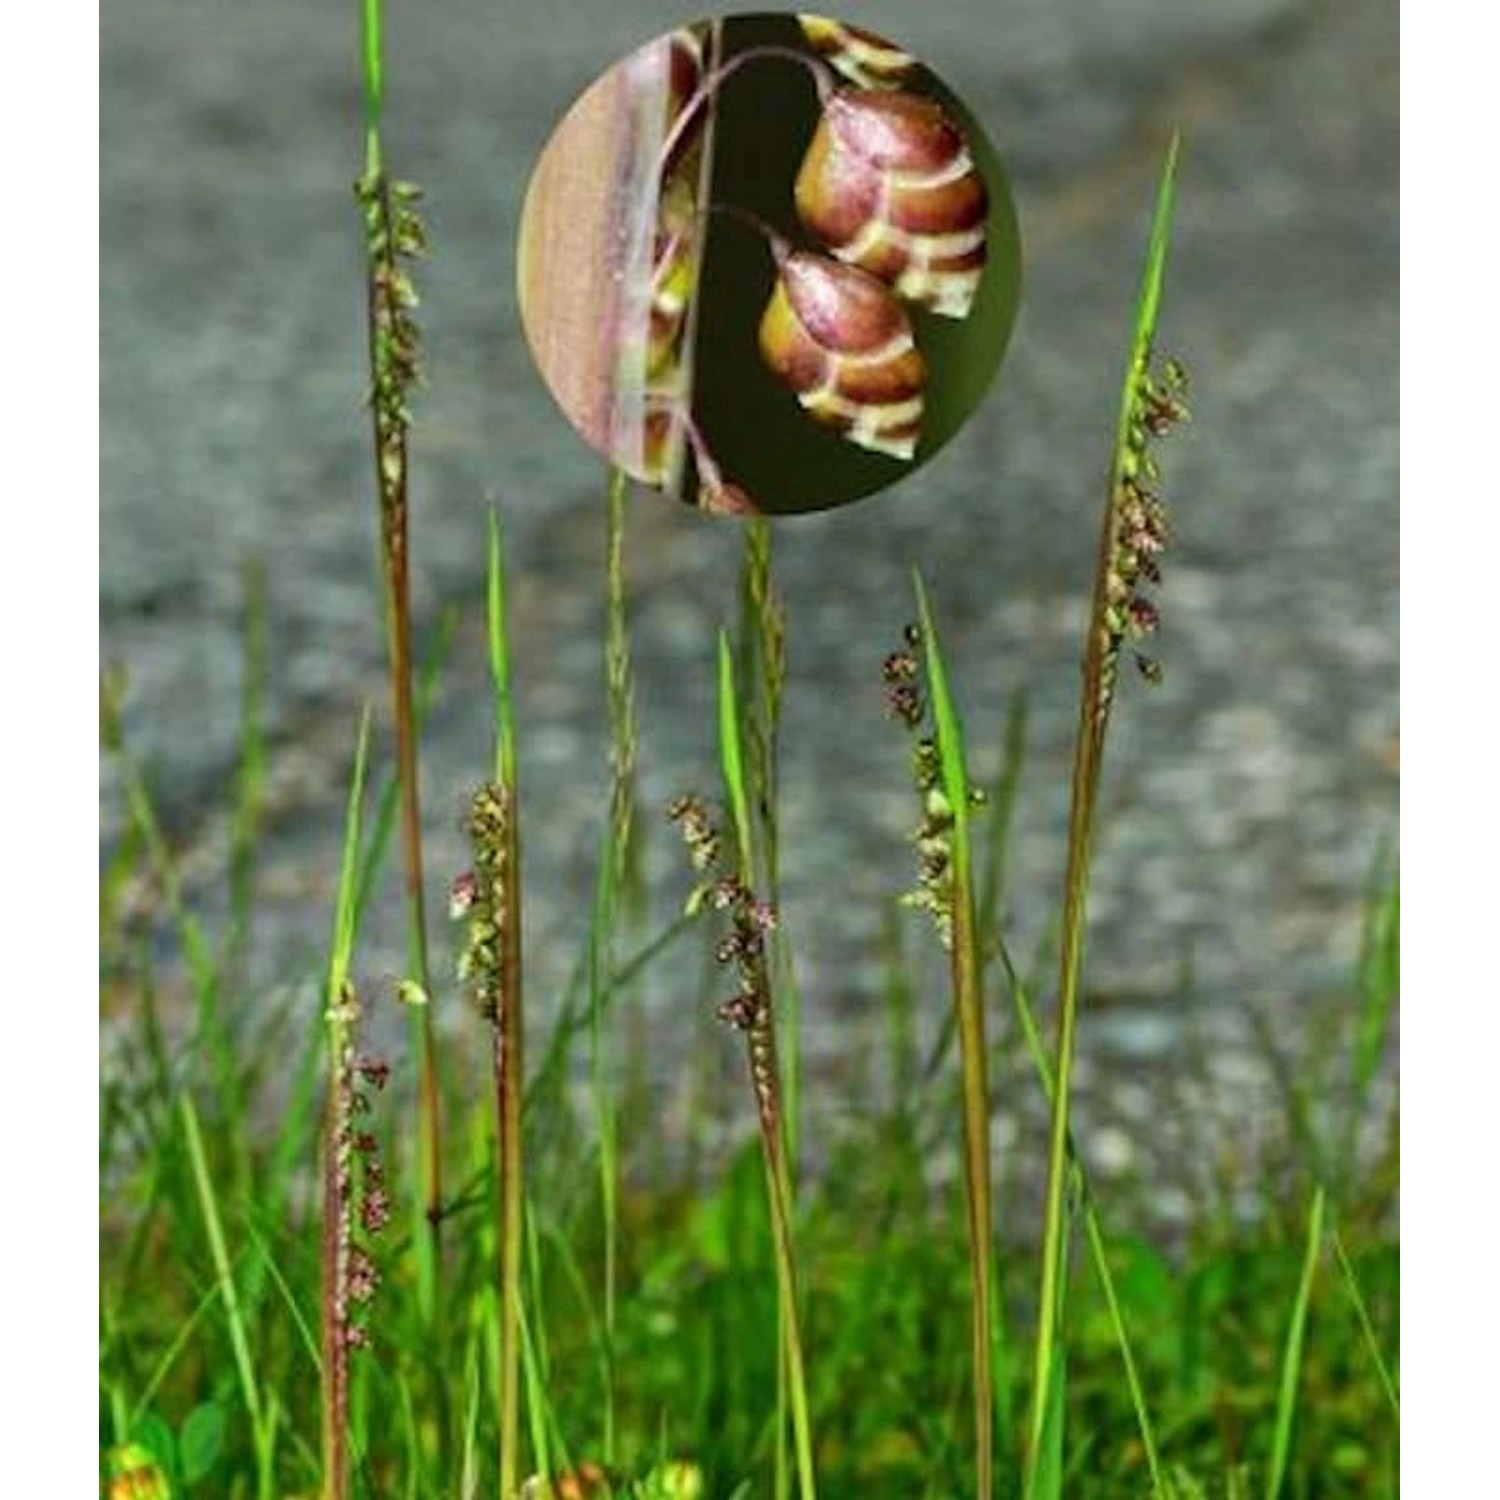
x,y
152,1433
201,1440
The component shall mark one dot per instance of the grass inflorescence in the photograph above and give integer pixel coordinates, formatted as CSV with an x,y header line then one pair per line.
x,y
395,237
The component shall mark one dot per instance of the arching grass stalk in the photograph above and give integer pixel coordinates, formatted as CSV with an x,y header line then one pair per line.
x,y
1132,537
394,236
1366,1327
942,770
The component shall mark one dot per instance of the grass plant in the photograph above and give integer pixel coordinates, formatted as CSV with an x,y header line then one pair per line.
x,y
1132,535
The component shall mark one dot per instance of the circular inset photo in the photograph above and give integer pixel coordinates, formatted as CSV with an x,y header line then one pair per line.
x,y
768,264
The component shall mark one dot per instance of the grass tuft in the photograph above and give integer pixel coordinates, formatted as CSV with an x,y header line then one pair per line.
x,y
627,1306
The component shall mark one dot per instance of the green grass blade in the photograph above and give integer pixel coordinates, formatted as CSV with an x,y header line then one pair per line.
x,y
1098,1246
1291,1356
539,1415
1362,1312
468,1483
164,1365
1148,306
732,759
305,1330
239,1334
968,1006
1044,1480
346,906
950,736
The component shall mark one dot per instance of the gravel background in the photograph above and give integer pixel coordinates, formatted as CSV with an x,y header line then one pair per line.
x,y
1246,800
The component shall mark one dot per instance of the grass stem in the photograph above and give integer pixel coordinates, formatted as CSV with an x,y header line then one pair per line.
x,y
393,235
234,1315
1291,1356
765,1077
1099,667
610,890
339,1016
507,1030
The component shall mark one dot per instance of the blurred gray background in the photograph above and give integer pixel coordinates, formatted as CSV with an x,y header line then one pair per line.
x,y
1246,801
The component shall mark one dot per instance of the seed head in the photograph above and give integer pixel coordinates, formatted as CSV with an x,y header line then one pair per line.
x,y
1140,530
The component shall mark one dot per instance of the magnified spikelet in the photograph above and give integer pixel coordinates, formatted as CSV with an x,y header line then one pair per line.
x,y
843,342
860,55
889,185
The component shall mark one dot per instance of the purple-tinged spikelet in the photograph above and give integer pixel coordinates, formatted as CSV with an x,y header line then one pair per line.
x,y
889,185
1139,530
844,344
742,947
905,700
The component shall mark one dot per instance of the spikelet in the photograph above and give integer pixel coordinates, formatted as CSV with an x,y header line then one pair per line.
x,y
843,342
889,184
861,56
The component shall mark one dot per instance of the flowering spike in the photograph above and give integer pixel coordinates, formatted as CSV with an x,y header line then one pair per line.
x,y
486,895
934,835
1140,529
